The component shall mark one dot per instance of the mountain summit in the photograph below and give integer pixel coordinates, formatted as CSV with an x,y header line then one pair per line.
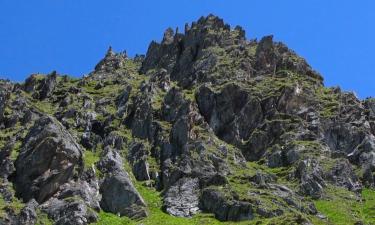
x,y
207,127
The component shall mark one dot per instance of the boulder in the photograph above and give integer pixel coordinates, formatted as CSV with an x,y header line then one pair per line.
x,y
110,161
119,196
49,158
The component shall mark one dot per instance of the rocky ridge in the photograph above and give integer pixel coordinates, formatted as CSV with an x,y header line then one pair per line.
x,y
207,125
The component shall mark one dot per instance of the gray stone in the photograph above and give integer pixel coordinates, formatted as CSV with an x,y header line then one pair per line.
x,y
214,201
69,212
28,214
311,179
48,159
119,196
182,198
138,159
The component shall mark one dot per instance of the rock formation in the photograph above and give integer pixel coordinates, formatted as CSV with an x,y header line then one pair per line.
x,y
206,123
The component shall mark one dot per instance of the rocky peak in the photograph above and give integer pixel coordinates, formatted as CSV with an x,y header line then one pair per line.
x,y
111,61
207,122
211,52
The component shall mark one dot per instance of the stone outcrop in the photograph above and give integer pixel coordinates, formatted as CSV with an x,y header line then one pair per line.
x,y
206,122
119,195
48,159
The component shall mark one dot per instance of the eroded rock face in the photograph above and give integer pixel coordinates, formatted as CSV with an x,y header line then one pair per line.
x,y
233,114
342,174
138,158
311,175
48,159
41,86
66,212
182,199
224,209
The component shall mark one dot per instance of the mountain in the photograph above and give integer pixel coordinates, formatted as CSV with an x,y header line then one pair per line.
x,y
206,128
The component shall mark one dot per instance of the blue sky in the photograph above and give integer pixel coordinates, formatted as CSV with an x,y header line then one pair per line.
x,y
71,36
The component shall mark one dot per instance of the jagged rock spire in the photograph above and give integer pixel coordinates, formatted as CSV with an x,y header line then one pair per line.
x,y
110,52
111,61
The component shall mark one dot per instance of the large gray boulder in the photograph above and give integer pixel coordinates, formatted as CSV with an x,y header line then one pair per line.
x,y
49,157
119,196
41,86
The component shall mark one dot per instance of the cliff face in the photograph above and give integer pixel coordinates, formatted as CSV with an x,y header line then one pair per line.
x,y
207,124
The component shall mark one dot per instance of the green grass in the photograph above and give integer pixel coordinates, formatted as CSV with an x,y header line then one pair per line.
x,y
16,205
42,218
368,208
157,216
90,158
329,101
342,207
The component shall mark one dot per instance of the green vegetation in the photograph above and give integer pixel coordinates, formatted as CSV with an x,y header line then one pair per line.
x,y
343,207
42,218
368,208
15,205
329,101
90,158
158,217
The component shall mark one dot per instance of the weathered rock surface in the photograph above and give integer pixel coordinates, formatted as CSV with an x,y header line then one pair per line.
x,y
225,209
48,159
119,195
182,199
70,211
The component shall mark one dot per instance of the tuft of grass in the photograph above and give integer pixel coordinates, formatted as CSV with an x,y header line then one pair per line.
x,y
90,158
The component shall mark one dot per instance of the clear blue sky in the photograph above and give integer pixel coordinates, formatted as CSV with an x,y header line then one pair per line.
x,y
71,36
